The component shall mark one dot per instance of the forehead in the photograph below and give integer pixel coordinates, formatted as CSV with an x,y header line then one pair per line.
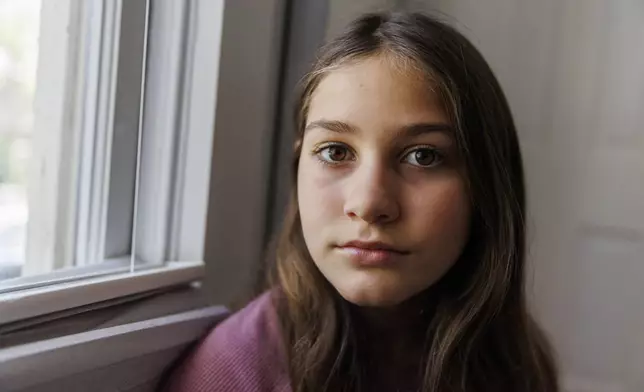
x,y
377,93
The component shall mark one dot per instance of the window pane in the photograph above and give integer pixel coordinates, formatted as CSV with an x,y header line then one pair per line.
x,y
70,91
19,25
84,182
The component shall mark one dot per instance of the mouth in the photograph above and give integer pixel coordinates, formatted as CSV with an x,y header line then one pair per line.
x,y
371,254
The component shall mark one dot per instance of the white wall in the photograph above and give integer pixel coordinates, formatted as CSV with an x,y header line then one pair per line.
x,y
574,75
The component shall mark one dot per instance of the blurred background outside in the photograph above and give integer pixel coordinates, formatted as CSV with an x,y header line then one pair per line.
x,y
19,26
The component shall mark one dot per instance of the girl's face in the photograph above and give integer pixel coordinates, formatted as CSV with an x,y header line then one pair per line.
x,y
382,200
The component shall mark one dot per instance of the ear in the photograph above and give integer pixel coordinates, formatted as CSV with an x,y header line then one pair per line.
x,y
297,146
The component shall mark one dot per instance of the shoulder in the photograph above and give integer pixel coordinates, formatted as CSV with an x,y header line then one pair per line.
x,y
242,353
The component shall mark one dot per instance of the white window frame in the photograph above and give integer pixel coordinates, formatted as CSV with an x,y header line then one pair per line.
x,y
98,207
49,196
122,358
110,131
74,180
94,187
18,305
200,199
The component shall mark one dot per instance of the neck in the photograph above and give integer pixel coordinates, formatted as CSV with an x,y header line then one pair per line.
x,y
395,328
391,341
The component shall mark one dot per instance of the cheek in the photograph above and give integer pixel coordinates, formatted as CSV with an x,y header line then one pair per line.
x,y
319,199
442,210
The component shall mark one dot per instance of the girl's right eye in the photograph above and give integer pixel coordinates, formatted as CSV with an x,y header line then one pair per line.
x,y
333,153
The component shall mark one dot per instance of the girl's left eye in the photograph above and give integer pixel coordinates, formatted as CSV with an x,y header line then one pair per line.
x,y
423,157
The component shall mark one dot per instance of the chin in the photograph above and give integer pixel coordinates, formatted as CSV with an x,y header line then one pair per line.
x,y
373,297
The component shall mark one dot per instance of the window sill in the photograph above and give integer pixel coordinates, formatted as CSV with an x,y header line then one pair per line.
x,y
37,301
125,358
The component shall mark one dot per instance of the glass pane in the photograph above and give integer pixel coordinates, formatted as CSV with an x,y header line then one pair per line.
x,y
19,25
70,90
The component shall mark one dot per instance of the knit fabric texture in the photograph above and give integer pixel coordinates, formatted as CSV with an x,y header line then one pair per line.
x,y
242,353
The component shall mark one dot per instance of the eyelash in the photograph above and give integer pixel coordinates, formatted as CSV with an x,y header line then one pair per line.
x,y
440,156
325,146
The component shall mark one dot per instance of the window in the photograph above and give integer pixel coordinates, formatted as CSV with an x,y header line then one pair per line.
x,y
208,91
104,156
141,146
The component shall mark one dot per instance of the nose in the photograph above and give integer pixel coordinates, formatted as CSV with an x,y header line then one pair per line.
x,y
371,195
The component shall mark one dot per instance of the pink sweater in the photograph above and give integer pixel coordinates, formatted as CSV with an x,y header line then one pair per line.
x,y
243,353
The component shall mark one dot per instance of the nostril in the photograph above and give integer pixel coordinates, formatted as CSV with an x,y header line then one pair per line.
x,y
382,217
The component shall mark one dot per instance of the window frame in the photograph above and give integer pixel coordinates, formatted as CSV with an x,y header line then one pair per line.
x,y
131,356
78,190
49,195
17,305
216,90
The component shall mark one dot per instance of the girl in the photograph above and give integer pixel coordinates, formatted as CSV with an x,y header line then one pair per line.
x,y
401,265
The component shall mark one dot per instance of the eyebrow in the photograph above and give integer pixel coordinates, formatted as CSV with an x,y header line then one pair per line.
x,y
407,130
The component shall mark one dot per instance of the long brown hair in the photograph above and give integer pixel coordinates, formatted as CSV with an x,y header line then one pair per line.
x,y
480,337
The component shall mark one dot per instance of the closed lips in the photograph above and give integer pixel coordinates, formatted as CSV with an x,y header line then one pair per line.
x,y
372,246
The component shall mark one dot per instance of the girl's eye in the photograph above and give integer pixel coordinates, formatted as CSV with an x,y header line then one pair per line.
x,y
334,153
423,157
